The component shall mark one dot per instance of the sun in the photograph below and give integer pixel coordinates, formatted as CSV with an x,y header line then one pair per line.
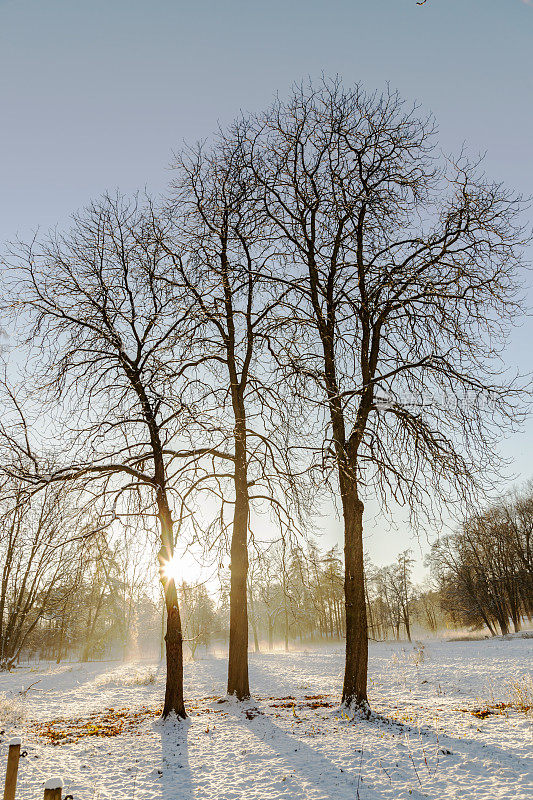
x,y
172,569
185,566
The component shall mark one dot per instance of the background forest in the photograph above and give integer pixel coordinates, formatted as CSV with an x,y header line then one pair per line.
x,y
100,599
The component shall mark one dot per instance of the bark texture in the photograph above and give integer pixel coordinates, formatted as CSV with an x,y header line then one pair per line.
x,y
174,652
354,690
174,636
238,683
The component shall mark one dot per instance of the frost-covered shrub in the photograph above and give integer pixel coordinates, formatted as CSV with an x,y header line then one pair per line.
x,y
128,676
418,656
11,709
516,694
520,693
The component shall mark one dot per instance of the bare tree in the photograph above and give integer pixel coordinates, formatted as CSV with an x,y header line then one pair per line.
x,y
404,278
253,571
198,615
106,329
134,577
484,570
36,560
270,591
221,262
518,520
396,592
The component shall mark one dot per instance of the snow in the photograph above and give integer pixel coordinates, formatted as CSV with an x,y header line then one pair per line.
x,y
54,783
291,742
16,740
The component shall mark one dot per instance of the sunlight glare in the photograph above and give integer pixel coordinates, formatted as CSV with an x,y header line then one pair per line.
x,y
172,569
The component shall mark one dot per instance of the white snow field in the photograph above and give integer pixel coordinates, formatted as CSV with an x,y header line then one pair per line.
x,y
291,741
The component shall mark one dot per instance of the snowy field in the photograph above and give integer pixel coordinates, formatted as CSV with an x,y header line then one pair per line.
x,y
291,741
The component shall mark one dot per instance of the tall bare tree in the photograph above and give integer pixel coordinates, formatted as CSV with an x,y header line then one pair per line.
x,y
107,333
404,276
222,261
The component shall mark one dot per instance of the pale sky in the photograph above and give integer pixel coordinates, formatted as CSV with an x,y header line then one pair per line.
x,y
96,94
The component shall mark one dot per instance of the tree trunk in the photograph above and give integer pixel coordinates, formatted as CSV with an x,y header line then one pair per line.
x,y
354,691
86,646
504,625
173,637
174,647
270,634
407,624
162,640
253,619
238,624
369,613
61,637
483,615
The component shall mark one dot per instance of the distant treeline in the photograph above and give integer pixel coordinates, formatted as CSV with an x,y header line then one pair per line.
x,y
91,598
484,571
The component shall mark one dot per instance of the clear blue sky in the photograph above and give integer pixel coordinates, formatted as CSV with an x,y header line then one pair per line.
x,y
95,94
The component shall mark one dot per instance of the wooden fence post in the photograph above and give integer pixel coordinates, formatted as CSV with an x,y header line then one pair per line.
x,y
12,768
52,789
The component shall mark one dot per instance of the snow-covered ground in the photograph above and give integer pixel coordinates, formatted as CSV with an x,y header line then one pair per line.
x,y
291,741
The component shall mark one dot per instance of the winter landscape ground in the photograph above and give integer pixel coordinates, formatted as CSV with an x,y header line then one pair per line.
x,y
440,732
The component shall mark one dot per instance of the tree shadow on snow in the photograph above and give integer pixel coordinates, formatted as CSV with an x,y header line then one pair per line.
x,y
472,751
328,780
175,779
